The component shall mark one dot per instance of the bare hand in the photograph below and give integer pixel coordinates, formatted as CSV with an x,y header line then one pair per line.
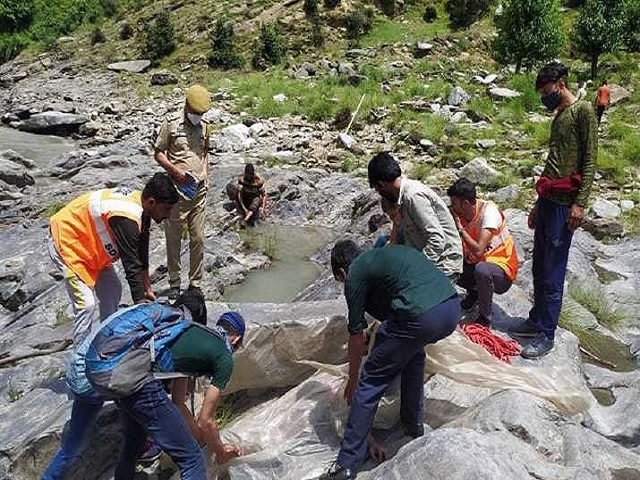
x,y
149,295
531,220
575,217
179,176
350,390
229,451
377,451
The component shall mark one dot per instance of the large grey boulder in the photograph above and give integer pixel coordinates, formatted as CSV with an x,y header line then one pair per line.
x,y
55,123
479,171
133,66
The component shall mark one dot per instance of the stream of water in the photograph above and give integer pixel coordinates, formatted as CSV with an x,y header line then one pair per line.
x,y
42,149
291,270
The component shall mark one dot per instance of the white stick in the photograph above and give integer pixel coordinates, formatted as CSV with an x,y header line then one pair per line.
x,y
353,117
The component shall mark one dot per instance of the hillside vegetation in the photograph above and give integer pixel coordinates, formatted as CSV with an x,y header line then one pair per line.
x,y
252,49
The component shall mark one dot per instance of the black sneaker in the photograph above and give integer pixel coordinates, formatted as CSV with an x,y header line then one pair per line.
x,y
195,290
539,347
528,328
337,472
469,301
174,293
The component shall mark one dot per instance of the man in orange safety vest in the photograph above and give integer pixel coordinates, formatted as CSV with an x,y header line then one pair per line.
x,y
95,230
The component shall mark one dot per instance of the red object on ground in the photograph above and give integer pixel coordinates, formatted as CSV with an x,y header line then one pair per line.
x,y
497,346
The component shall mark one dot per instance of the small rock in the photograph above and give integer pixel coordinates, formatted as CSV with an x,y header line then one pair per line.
x,y
602,208
626,205
501,92
422,49
485,143
133,66
163,78
280,98
479,171
458,97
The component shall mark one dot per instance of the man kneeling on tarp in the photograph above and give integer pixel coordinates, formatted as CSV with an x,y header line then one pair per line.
x,y
119,360
399,285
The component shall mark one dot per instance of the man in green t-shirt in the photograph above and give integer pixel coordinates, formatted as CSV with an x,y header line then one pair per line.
x,y
563,191
417,304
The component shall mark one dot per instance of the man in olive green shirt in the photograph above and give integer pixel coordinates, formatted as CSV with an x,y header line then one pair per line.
x,y
181,149
418,305
563,192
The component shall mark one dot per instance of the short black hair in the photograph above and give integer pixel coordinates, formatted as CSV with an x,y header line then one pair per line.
x,y
194,301
463,188
551,72
383,168
342,254
161,188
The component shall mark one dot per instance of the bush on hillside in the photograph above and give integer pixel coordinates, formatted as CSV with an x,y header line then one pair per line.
x,y
15,15
462,13
97,36
11,45
223,47
430,14
359,23
310,8
388,7
530,32
109,7
270,48
126,31
160,39
331,3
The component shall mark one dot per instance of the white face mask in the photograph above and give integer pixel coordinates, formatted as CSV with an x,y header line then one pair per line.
x,y
194,119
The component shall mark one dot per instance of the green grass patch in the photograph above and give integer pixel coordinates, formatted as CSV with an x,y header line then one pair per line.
x,y
592,296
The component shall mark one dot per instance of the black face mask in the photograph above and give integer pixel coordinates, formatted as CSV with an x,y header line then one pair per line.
x,y
552,100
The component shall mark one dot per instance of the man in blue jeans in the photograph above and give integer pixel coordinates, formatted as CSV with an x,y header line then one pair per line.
x,y
149,410
399,285
563,191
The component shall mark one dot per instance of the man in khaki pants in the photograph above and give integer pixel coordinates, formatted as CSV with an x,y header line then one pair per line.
x,y
181,149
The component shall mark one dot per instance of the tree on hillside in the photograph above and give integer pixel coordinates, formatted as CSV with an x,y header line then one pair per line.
x,y
632,25
462,13
223,47
529,32
599,29
270,48
160,40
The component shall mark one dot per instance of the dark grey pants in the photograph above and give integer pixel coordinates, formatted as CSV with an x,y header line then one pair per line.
x,y
484,279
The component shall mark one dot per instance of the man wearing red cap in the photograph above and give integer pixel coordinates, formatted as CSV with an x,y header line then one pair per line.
x,y
181,149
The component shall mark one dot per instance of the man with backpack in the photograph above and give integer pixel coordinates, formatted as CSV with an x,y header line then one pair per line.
x,y
117,362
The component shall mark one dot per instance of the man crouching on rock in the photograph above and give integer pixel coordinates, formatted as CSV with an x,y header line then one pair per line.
x,y
399,285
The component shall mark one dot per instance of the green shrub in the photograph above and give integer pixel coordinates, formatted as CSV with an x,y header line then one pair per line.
x,y
388,7
16,15
358,23
630,149
160,39
109,7
97,36
126,31
462,13
270,48
310,8
430,14
331,3
11,45
223,47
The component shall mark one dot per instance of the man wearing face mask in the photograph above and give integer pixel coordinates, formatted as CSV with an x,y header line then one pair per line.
x,y
181,149
563,191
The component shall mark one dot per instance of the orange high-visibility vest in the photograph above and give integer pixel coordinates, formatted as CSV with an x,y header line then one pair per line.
x,y
81,231
500,250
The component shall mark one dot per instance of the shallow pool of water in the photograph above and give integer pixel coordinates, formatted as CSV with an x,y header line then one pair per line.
x,y
290,248
42,149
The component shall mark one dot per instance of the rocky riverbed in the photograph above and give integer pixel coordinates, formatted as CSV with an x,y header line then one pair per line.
x,y
473,432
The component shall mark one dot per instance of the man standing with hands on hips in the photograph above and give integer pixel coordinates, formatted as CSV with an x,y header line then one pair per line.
x,y
181,149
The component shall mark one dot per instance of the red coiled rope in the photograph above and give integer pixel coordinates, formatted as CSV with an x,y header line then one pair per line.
x,y
497,346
